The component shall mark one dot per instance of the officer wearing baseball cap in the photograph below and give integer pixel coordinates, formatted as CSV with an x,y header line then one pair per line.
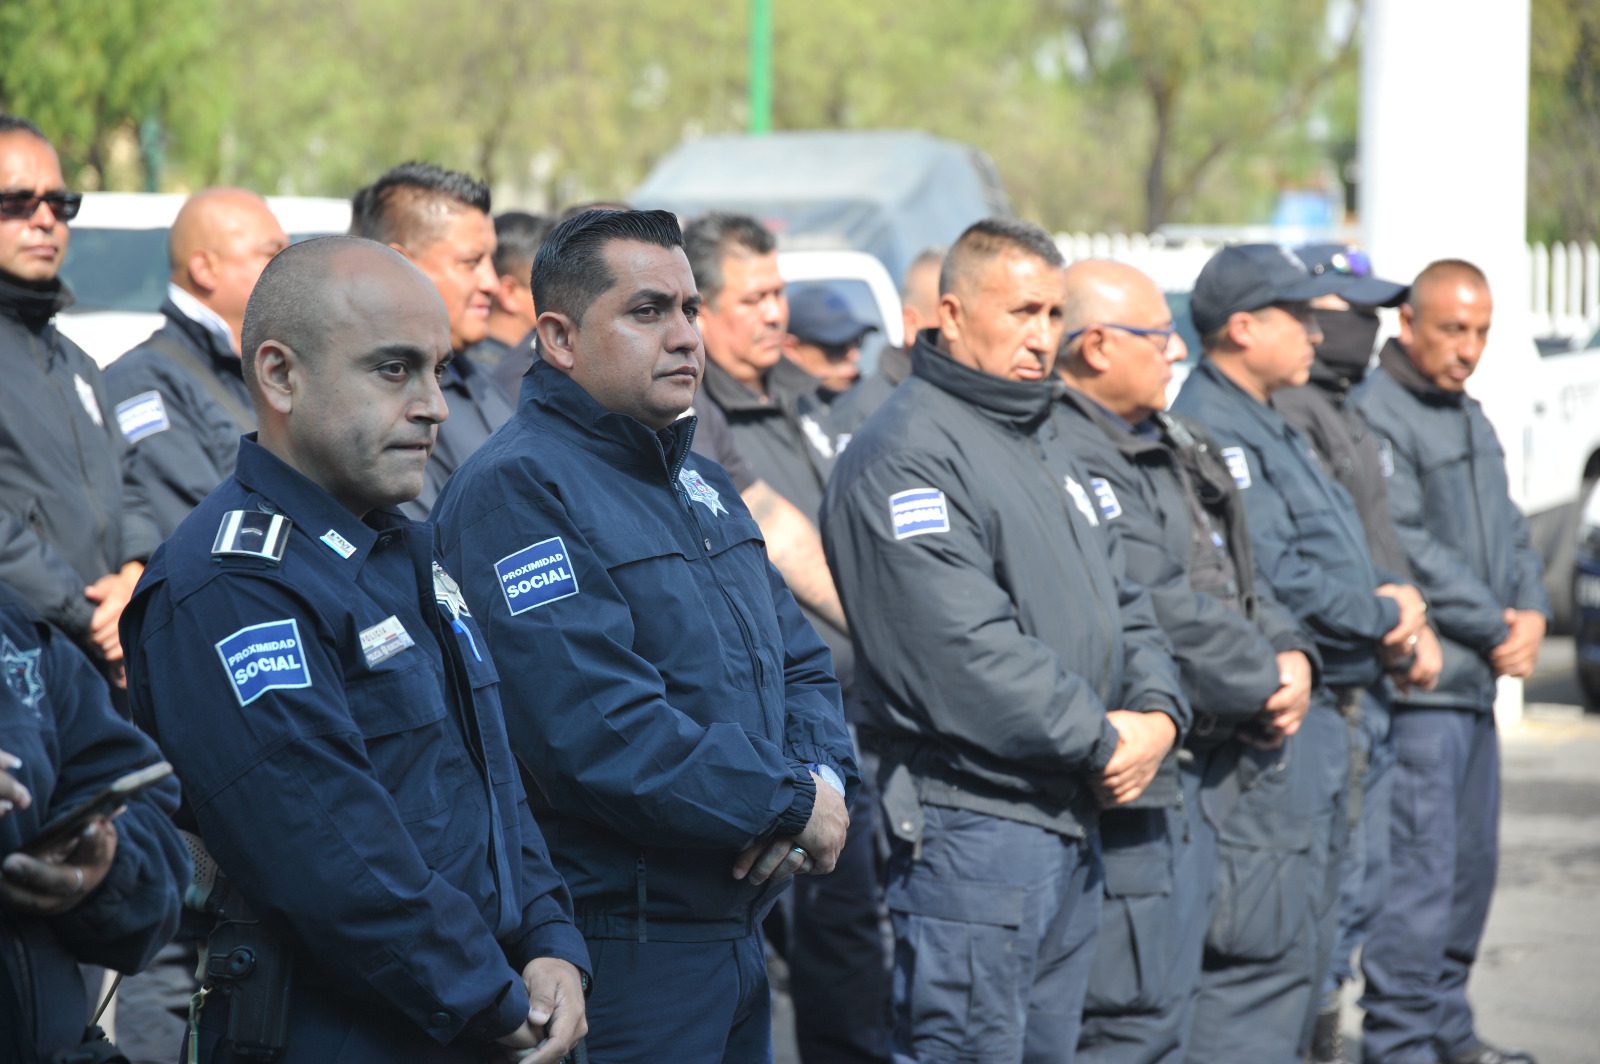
x,y
1252,307
825,337
1350,450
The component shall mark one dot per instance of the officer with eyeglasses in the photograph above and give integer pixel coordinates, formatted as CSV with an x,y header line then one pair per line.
x,y
1246,667
71,544
1251,306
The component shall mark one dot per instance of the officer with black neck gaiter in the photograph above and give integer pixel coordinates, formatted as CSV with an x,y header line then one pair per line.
x,y
1358,459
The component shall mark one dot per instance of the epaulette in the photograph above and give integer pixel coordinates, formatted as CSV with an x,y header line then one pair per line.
x,y
252,534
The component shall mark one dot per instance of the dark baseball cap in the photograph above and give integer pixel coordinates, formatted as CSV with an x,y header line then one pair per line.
x,y
1245,277
820,315
1352,264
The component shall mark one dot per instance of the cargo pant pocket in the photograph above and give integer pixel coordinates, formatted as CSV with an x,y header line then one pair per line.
x,y
1138,919
961,988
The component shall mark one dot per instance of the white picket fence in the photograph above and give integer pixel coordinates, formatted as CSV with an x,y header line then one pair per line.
x,y
1564,277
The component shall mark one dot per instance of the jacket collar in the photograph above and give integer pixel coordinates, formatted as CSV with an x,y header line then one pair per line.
x,y
202,336
285,490
1265,413
1124,436
732,396
894,363
1396,363
1020,405
618,438
33,303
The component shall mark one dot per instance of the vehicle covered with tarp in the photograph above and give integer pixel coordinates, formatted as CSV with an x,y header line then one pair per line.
x,y
890,193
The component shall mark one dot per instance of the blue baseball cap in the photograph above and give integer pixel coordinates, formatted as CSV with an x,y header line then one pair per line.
x,y
1247,277
820,315
1355,267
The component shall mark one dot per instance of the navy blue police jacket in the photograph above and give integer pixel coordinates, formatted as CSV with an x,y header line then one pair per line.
x,y
989,604
1310,549
660,683
1466,540
1184,531
335,720
181,403
56,718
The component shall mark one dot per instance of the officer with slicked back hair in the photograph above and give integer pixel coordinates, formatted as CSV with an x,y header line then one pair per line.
x,y
439,219
679,718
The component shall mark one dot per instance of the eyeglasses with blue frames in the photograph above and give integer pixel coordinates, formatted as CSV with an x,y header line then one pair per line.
x,y
18,204
1161,337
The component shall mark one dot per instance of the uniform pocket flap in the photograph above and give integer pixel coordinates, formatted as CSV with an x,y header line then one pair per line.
x,y
966,901
394,700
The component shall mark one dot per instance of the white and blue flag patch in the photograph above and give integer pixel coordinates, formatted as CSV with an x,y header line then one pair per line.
x,y
918,511
264,657
1238,465
142,415
1109,505
536,575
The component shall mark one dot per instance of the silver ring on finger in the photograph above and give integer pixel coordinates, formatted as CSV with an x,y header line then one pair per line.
x,y
77,888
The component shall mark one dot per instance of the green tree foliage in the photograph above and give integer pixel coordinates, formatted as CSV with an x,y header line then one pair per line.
x,y
1099,114
91,74
1564,121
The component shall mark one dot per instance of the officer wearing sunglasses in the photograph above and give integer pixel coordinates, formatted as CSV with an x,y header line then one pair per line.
x,y
68,544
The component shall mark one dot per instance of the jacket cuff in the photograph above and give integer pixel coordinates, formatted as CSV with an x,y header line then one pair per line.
x,y
794,819
1388,615
558,939
499,1019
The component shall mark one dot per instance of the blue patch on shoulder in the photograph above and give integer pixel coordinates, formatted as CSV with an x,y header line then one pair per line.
x,y
143,415
536,575
264,657
918,511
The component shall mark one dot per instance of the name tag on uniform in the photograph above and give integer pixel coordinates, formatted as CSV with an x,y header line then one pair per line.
x,y
338,544
536,575
384,640
918,511
264,657
143,415
1238,465
1106,498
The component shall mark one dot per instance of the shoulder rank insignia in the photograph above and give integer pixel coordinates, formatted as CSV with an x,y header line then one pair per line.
x,y
252,534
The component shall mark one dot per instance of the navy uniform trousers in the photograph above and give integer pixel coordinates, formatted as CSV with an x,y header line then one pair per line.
x,y
1159,868
994,925
1275,913
1444,847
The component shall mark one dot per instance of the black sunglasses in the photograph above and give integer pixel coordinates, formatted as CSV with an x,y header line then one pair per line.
x,y
15,204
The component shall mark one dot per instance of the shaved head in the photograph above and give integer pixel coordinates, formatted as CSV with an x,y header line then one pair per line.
x,y
1099,290
346,341
1121,356
1446,274
1444,322
218,245
315,288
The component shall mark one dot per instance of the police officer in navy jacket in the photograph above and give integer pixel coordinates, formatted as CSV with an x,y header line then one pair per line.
x,y
328,700
678,716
